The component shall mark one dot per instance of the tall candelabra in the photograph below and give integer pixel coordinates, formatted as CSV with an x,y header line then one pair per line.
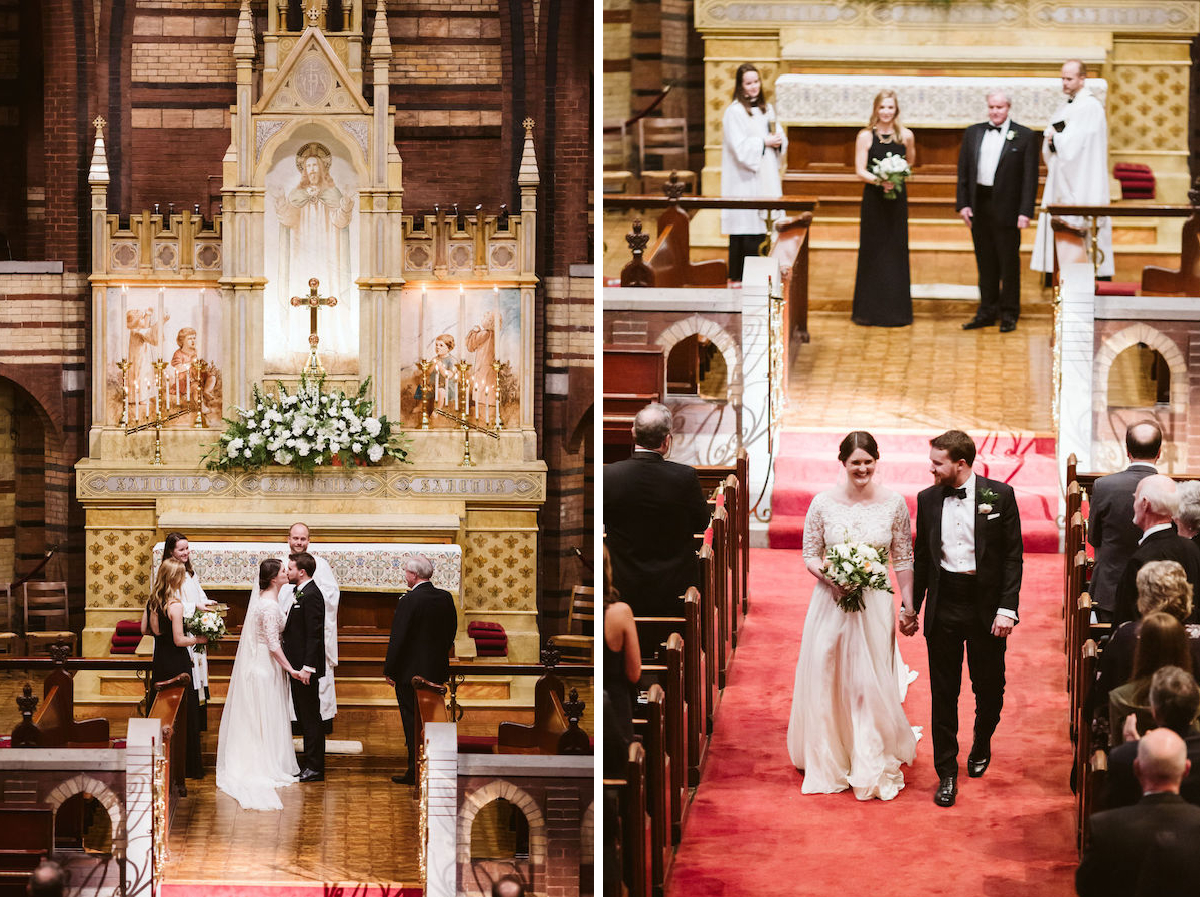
x,y
162,408
465,391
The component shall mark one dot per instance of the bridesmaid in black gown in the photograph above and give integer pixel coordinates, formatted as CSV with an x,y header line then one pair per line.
x,y
881,288
163,619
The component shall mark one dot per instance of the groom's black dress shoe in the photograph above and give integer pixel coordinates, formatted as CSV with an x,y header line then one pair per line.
x,y
976,322
311,775
407,779
947,789
976,768
1008,326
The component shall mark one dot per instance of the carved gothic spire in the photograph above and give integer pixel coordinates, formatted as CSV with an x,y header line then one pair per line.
x,y
243,44
98,173
381,43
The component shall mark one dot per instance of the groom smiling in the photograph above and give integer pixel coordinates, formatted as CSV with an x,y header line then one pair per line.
x,y
967,559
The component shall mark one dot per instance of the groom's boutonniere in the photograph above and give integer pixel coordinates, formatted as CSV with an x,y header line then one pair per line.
x,y
1009,135
987,498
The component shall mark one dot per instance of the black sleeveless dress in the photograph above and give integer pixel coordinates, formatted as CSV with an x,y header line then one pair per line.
x,y
881,289
620,696
169,661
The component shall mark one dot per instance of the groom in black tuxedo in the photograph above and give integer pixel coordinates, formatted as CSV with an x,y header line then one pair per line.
x,y
967,560
997,186
304,647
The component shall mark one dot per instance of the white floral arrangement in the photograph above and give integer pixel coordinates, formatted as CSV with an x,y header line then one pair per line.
x,y
208,623
306,430
856,567
891,169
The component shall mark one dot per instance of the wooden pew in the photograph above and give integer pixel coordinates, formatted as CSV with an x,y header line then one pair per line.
x,y
720,593
1090,764
709,635
634,839
549,722
26,838
670,257
170,709
55,718
649,724
1186,280
663,668
656,630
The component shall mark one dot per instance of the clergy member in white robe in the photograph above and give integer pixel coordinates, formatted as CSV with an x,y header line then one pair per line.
x,y
327,583
1076,168
752,152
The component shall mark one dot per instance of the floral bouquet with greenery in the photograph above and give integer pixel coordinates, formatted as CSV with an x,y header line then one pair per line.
x,y
856,567
310,429
894,170
206,622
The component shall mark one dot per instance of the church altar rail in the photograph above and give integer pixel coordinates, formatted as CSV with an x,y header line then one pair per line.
x,y
832,100
1115,210
696,203
362,567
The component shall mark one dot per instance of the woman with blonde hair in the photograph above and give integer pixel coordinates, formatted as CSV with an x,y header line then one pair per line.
x,y
882,296
163,619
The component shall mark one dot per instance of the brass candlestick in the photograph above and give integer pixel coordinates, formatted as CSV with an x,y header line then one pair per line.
x,y
425,364
160,405
199,366
123,365
467,427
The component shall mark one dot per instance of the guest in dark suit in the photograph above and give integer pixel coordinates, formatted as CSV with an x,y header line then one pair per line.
x,y
653,508
423,630
1156,837
997,186
1174,703
1187,516
1154,506
967,560
1111,530
304,647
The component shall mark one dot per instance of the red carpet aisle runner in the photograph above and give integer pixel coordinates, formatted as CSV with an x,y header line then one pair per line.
x,y
752,833
806,463
288,889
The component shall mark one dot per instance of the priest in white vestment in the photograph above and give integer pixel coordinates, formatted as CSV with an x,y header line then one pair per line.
x,y
327,583
1076,168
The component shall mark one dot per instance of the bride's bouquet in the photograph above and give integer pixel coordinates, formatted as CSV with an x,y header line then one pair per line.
x,y
892,169
856,567
206,622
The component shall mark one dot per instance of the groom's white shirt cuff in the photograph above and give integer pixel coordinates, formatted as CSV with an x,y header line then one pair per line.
x,y
308,669
1005,612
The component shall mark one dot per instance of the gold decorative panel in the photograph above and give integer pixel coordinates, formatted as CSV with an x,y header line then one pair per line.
x,y
1148,108
118,565
499,571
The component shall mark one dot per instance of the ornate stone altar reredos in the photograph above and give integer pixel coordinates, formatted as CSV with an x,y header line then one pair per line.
x,y
190,313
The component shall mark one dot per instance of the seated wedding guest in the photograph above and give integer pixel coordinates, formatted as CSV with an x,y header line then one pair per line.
x,y
622,655
509,885
1187,517
1155,839
653,510
1162,641
1162,586
1154,505
1111,530
47,880
1174,704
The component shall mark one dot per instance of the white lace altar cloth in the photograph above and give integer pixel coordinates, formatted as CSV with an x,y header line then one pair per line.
x,y
831,100
359,567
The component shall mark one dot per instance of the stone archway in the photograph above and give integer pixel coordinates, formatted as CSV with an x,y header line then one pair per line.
x,y
85,784
698,325
1108,452
476,800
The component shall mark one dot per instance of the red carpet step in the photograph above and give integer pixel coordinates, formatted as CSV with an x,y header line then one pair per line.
x,y
806,463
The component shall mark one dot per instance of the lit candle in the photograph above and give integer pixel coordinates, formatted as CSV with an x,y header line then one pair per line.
x,y
124,308
201,345
147,397
187,382
424,342
462,319
487,405
137,411
162,305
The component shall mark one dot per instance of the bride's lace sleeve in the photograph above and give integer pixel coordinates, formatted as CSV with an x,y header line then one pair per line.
x,y
814,530
902,545
269,625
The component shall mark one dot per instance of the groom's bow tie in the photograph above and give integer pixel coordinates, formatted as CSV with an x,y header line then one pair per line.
x,y
992,127
960,492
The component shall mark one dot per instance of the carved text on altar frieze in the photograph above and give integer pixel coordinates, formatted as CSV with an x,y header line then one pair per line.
x,y
162,483
324,485
467,486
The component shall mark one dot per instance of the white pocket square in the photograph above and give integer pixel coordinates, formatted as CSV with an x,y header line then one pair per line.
x,y
993,516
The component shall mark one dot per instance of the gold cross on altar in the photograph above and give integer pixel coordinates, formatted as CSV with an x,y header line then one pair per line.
x,y
313,301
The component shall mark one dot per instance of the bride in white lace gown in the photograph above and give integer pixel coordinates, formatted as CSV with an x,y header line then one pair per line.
x,y
847,727
254,749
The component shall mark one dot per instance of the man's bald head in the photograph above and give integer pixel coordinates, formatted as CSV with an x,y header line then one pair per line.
x,y
1143,441
298,538
47,880
1161,760
508,886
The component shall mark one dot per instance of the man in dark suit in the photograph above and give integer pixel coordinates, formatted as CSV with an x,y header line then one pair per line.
x,y
423,630
1154,507
1111,530
997,186
653,508
1149,848
1174,703
304,647
967,560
